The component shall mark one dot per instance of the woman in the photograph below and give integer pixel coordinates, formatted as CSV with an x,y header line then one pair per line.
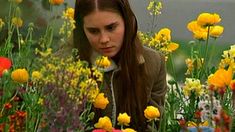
x,y
137,76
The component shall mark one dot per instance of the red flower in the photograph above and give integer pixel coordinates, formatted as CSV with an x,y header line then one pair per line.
x,y
7,105
5,64
21,114
102,130
198,114
99,130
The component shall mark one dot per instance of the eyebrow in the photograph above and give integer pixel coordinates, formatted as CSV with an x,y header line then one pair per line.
x,y
106,26
112,24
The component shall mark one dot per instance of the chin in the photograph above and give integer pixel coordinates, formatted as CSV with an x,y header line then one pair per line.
x,y
110,55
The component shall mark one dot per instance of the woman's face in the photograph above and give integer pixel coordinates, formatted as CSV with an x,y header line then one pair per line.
x,y
105,32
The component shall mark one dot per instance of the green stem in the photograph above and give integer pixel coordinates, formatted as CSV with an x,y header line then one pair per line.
x,y
153,125
204,67
172,66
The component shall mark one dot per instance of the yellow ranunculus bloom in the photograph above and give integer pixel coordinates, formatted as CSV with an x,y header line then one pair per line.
x,y
193,26
200,35
103,62
18,22
216,31
128,130
20,75
163,35
151,113
172,46
100,101
205,19
123,119
221,77
36,75
104,123
56,2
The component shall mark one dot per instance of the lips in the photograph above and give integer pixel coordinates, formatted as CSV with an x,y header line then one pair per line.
x,y
107,49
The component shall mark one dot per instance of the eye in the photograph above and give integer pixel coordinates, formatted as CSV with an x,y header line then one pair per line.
x,y
111,27
93,30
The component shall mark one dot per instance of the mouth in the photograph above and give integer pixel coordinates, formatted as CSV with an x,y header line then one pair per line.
x,y
107,49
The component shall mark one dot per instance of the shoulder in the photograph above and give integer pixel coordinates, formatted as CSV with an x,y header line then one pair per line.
x,y
154,61
152,56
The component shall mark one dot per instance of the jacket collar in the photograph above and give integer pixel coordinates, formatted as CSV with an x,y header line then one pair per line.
x,y
113,65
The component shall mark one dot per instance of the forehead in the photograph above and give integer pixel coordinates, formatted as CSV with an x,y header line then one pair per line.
x,y
101,18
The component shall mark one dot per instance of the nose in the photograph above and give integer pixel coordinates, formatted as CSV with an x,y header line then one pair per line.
x,y
104,38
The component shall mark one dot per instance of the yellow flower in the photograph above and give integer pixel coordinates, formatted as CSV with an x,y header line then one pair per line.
x,y
40,101
200,35
172,46
151,113
216,31
56,2
69,13
193,124
192,85
1,23
163,35
36,75
208,19
92,94
18,22
128,130
123,119
20,75
221,77
193,26
104,123
103,62
100,101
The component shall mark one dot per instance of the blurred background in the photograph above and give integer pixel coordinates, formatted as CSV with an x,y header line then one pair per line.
x,y
175,14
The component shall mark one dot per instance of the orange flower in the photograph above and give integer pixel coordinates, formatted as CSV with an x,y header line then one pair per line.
x,y
56,2
221,77
232,85
20,75
172,46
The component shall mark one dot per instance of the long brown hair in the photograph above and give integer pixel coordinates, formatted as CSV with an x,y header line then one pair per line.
x,y
132,96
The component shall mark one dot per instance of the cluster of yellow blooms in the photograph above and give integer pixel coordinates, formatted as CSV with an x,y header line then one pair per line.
x,y
154,7
192,85
228,58
69,23
205,26
72,76
160,41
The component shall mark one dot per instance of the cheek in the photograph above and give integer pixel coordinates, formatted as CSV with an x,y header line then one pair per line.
x,y
92,40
